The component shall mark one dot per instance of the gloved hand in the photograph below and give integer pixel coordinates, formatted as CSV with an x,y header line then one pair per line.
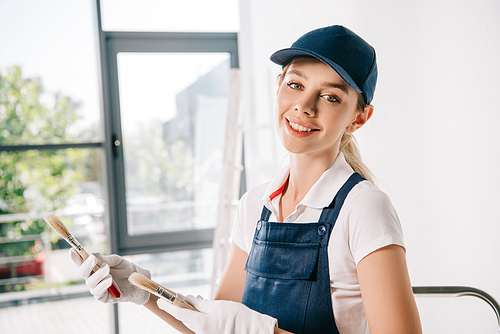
x,y
112,268
220,317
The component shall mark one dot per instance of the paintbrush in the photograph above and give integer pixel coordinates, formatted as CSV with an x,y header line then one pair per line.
x,y
59,227
145,283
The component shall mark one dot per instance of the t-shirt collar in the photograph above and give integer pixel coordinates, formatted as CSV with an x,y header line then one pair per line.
x,y
322,192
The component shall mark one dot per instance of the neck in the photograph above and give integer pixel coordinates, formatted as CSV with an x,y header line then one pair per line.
x,y
305,171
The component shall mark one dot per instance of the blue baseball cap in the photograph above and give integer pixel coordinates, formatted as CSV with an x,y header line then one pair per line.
x,y
345,52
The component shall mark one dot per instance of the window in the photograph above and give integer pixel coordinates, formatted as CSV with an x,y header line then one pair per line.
x,y
139,176
51,158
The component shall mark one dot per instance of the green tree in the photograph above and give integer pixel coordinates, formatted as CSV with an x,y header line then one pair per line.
x,y
34,180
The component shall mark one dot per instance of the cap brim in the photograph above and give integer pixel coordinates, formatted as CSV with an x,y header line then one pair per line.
x,y
284,56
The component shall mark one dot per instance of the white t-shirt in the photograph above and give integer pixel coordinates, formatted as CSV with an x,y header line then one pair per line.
x,y
366,222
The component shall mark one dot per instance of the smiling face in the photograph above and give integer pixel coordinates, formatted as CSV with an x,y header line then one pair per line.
x,y
314,107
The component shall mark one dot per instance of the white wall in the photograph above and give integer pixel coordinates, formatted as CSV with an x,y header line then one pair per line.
x,y
432,141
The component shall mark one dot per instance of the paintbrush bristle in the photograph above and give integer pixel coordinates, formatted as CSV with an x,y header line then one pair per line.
x,y
57,225
143,282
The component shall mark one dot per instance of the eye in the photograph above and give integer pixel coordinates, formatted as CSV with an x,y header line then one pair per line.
x,y
331,98
294,85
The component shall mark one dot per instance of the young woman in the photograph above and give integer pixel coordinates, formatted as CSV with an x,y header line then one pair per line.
x,y
319,249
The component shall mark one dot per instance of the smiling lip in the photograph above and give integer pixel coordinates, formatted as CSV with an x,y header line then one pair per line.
x,y
299,129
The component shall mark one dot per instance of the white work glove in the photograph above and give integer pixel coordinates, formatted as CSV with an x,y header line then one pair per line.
x,y
115,270
220,317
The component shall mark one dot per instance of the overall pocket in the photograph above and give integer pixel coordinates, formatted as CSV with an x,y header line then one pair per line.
x,y
282,260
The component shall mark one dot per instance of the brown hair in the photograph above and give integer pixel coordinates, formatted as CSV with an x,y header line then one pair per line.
x,y
348,143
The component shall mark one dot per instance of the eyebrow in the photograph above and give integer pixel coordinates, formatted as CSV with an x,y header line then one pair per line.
x,y
342,85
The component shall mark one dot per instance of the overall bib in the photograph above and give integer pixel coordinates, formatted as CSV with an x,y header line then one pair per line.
x,y
287,270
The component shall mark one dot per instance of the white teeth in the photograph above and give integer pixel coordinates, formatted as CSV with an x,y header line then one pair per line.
x,y
299,127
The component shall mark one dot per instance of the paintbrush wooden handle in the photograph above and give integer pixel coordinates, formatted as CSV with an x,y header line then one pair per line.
x,y
83,253
85,256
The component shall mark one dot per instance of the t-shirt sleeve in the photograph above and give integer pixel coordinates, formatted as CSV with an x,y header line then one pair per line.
x,y
247,214
373,223
237,231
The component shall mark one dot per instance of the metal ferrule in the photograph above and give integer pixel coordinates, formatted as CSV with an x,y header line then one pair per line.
x,y
74,243
162,292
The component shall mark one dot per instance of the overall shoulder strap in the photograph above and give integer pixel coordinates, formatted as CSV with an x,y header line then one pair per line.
x,y
265,214
331,212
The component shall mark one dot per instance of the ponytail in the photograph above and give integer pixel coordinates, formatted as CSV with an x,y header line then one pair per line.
x,y
349,147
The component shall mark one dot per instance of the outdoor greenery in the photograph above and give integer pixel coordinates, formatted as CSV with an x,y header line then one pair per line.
x,y
35,180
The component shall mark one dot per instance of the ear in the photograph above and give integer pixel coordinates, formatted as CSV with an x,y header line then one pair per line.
x,y
360,119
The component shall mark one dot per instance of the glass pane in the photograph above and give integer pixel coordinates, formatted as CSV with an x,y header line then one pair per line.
x,y
160,15
35,265
48,73
173,113
32,184
187,272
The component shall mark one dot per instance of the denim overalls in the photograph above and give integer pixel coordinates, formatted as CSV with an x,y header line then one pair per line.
x,y
287,270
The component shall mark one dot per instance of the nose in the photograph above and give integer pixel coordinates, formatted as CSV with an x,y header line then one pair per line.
x,y
306,105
